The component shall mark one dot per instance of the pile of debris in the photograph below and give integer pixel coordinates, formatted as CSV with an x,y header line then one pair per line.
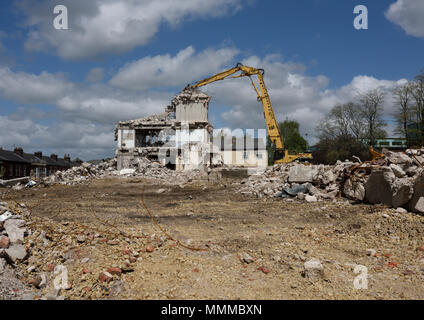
x,y
83,173
397,180
14,248
138,167
41,259
12,233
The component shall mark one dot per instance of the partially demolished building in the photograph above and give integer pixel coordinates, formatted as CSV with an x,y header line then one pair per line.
x,y
180,138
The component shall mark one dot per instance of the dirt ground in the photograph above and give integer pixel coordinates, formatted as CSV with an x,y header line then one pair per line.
x,y
90,228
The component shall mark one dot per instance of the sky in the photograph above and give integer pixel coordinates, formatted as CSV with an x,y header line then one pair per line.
x,y
62,91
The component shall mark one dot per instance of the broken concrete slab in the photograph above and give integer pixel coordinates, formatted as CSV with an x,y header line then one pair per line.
x,y
311,199
302,174
13,182
328,177
378,188
402,190
417,201
354,190
399,173
6,215
14,230
398,157
16,252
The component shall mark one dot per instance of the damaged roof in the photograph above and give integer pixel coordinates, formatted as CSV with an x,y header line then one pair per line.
x,y
188,95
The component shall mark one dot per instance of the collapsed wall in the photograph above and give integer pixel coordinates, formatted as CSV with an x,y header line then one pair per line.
x,y
397,180
154,137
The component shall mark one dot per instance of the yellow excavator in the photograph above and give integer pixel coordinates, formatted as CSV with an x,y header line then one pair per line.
x,y
281,154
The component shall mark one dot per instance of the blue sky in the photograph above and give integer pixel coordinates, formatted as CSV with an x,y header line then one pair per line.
x,y
63,90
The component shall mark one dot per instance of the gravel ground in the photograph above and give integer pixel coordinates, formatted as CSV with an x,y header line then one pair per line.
x,y
252,248
11,288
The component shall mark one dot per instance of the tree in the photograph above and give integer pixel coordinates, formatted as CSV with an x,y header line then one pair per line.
x,y
328,151
292,139
372,112
343,120
402,96
418,108
340,134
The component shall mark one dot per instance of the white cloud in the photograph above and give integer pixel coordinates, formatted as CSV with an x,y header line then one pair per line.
x,y
102,27
30,88
110,106
88,141
293,94
163,70
86,113
408,14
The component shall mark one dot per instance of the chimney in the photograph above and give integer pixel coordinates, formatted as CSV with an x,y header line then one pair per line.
x,y
67,158
19,151
53,156
38,154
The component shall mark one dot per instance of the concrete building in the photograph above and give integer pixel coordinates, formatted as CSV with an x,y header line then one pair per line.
x,y
178,138
181,138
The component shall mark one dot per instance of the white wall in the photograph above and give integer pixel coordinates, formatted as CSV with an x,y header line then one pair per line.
x,y
126,138
253,158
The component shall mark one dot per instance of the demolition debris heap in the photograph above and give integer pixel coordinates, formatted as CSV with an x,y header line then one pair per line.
x,y
397,180
148,137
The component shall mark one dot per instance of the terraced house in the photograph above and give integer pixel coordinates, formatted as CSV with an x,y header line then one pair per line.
x,y
18,164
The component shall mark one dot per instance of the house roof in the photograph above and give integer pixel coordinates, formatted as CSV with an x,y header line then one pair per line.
x,y
10,156
63,163
33,159
50,161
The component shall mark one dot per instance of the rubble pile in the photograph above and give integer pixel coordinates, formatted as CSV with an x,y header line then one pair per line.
x,y
397,180
138,167
13,231
14,248
83,173
47,260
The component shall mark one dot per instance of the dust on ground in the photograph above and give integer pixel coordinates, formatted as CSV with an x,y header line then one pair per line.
x,y
91,228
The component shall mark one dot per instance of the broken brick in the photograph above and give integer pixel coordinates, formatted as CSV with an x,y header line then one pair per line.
x,y
51,267
264,270
4,242
114,271
105,277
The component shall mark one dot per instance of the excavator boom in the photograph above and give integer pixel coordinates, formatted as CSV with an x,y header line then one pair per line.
x,y
263,97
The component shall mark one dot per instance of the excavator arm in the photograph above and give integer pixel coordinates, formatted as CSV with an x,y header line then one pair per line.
x,y
262,95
